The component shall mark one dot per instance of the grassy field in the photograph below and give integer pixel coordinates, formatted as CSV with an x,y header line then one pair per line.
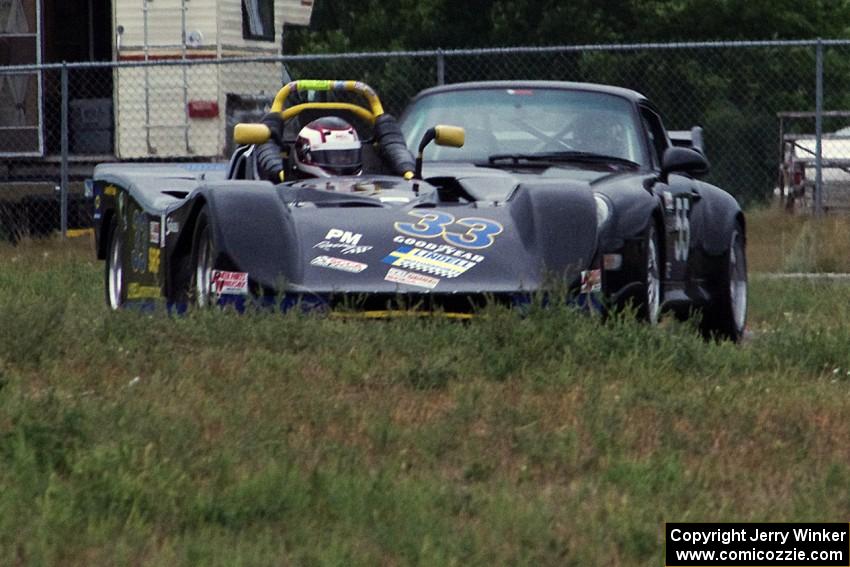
x,y
214,439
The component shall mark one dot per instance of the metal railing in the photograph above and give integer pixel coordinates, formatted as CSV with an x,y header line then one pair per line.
x,y
184,109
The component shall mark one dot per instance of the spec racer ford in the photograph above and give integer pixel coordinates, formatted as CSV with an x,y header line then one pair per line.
x,y
523,203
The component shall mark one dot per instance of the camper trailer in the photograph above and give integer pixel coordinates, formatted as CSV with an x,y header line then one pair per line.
x,y
137,111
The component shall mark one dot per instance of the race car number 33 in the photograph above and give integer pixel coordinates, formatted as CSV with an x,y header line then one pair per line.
x,y
480,233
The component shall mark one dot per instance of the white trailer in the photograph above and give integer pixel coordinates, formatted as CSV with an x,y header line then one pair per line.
x,y
176,110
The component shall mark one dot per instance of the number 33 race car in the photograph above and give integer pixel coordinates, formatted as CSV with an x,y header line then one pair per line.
x,y
535,182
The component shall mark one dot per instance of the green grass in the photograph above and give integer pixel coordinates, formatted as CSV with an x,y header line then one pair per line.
x,y
552,439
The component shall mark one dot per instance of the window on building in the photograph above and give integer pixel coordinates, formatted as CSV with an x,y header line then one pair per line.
x,y
258,20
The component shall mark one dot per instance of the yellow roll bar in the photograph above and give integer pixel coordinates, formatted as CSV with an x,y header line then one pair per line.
x,y
370,115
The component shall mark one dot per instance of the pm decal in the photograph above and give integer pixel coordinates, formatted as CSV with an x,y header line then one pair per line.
x,y
343,241
474,232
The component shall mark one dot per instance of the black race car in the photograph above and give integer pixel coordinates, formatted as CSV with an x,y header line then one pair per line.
x,y
569,183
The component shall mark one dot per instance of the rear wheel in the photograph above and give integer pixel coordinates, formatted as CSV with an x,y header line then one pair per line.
x,y
114,279
725,317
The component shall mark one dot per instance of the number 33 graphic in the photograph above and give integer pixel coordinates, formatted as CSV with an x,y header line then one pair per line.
x,y
480,233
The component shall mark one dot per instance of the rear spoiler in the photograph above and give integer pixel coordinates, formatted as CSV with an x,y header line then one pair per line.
x,y
688,138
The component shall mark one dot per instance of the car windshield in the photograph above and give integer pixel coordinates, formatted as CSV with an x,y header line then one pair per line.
x,y
527,121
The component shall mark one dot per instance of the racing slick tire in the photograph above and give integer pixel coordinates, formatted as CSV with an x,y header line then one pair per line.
x,y
725,315
203,258
649,303
113,273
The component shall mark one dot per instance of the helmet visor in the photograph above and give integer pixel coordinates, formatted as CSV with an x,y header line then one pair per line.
x,y
340,162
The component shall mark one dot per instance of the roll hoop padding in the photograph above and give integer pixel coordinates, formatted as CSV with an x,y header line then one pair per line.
x,y
393,147
269,162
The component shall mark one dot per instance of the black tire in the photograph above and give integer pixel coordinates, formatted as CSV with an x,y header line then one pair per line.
x,y
115,282
725,316
203,261
649,302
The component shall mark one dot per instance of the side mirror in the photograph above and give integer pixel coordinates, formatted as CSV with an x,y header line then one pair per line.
x,y
450,136
246,134
683,160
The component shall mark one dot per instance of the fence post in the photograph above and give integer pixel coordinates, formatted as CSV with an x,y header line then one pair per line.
x,y
819,129
441,67
63,207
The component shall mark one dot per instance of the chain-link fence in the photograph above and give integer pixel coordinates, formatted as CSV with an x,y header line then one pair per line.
x,y
773,112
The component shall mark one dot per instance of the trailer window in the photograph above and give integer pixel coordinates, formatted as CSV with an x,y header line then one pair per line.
x,y
258,20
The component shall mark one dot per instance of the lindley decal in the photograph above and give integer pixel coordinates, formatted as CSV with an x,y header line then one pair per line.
x,y
429,262
409,278
436,259
228,283
343,241
338,264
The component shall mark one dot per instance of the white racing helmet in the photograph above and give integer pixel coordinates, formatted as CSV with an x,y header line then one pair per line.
x,y
328,147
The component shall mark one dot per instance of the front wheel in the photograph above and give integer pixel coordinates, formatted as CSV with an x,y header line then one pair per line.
x,y
649,307
115,283
203,261
725,317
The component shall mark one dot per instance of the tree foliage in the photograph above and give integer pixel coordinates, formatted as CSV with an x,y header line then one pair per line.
x,y
733,93
370,25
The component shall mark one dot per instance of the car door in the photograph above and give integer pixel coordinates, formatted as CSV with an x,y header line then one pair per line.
x,y
679,195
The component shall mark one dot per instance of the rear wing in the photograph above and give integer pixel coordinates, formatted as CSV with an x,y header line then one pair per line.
x,y
688,138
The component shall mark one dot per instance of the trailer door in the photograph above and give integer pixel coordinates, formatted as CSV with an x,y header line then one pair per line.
x,y
20,93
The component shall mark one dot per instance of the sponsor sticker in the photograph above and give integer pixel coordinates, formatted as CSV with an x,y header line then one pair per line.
x,y
338,264
139,255
346,249
154,232
442,264
110,190
342,241
171,226
153,260
591,281
409,278
136,291
229,283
